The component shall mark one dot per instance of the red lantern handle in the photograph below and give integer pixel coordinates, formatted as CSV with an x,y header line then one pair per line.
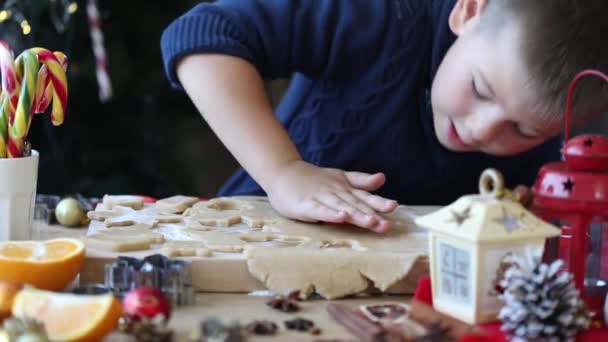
x,y
571,94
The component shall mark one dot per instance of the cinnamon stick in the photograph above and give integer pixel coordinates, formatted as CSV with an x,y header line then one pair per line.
x,y
360,327
426,315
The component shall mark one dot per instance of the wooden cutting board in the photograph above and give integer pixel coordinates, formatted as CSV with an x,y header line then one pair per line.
x,y
232,272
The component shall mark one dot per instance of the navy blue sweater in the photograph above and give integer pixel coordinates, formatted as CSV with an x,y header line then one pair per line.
x,y
359,99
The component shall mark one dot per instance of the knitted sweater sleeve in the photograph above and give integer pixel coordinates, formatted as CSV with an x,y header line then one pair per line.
x,y
319,38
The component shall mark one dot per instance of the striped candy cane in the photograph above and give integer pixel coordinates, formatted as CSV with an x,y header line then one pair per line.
x,y
10,95
52,84
103,77
4,118
44,87
26,67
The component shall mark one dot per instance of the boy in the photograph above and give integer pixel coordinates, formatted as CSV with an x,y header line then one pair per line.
x,y
418,96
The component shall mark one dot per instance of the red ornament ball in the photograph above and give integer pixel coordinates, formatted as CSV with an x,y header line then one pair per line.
x,y
146,302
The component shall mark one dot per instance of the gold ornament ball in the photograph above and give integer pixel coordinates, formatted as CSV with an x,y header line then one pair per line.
x,y
69,212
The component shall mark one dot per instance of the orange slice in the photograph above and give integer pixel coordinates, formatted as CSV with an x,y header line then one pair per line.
x,y
8,291
69,317
49,265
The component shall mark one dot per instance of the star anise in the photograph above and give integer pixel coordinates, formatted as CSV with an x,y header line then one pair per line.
x,y
285,304
315,331
299,324
262,328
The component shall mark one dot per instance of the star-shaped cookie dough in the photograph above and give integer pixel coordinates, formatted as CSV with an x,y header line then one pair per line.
x,y
123,239
125,216
226,212
134,202
176,204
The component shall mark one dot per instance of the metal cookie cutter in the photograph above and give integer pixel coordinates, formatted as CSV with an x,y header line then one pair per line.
x,y
172,277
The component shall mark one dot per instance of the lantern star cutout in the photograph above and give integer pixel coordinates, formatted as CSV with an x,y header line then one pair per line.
x,y
588,142
568,185
460,217
510,222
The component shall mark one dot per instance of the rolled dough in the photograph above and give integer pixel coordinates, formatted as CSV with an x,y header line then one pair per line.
x,y
285,255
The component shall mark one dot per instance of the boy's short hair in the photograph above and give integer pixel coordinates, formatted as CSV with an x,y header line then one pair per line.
x,y
560,39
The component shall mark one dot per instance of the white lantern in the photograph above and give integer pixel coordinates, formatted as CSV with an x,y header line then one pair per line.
x,y
471,244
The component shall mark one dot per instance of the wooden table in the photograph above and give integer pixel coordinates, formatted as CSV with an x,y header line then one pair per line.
x,y
246,308
241,307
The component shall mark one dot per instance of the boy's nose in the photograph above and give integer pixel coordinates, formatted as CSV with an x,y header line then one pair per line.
x,y
485,127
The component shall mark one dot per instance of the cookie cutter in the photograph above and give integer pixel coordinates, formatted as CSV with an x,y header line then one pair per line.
x,y
89,289
172,277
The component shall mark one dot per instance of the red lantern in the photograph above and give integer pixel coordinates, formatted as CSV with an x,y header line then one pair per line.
x,y
573,195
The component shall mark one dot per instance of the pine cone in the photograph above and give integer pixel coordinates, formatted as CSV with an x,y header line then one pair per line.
x,y
541,303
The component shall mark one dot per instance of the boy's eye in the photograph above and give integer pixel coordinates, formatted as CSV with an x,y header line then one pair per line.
x,y
523,133
476,91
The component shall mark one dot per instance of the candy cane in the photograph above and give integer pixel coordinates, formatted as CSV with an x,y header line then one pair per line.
x,y
44,93
10,95
26,67
54,81
44,87
4,118
101,64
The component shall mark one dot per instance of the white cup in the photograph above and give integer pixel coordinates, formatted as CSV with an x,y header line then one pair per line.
x,y
18,179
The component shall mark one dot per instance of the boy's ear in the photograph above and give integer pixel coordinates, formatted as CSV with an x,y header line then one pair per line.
x,y
466,14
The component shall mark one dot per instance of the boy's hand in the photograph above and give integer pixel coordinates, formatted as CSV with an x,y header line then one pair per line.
x,y
309,193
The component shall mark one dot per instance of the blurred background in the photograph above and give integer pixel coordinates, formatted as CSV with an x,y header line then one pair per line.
x,y
147,138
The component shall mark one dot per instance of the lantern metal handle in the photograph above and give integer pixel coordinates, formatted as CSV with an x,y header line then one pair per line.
x,y
492,183
571,89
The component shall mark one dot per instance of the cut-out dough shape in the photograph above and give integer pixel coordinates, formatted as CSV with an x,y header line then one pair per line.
x,y
185,249
166,218
274,240
348,244
176,204
101,212
123,239
195,225
125,216
225,212
131,217
216,240
134,202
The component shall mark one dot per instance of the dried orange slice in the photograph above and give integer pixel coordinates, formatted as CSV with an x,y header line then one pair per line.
x,y
69,317
49,265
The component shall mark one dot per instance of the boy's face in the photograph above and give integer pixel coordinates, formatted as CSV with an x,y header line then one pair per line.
x,y
479,96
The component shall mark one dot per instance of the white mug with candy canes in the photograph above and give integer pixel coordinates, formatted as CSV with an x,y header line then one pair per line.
x,y
32,82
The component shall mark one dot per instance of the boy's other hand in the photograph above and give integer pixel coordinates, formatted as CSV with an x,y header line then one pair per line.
x,y
306,192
